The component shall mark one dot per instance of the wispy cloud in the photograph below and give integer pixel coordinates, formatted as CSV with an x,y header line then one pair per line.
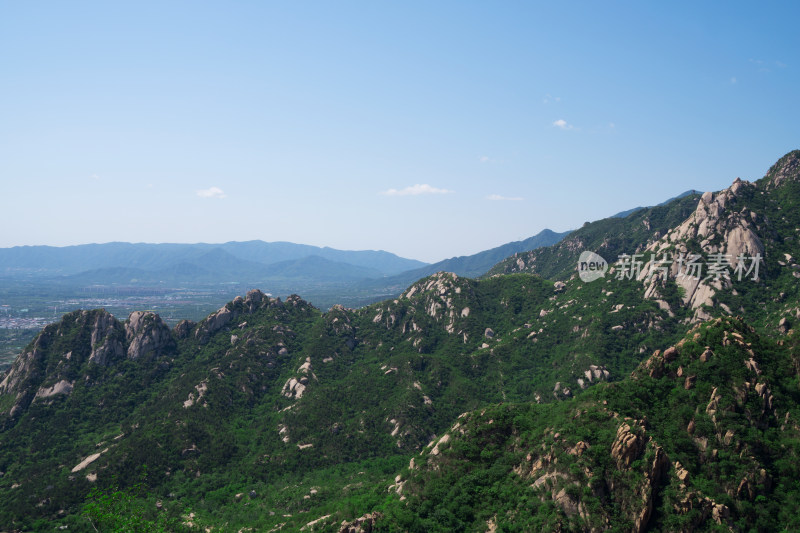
x,y
734,81
548,98
500,198
562,124
763,66
211,192
416,190
484,159
94,177
766,65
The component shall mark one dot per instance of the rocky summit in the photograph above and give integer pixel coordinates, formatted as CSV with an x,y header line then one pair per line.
x,y
648,399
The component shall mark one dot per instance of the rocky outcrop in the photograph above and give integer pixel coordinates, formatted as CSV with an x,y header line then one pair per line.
x,y
593,374
147,335
107,339
443,297
252,302
183,330
363,524
46,369
62,387
629,446
786,169
721,225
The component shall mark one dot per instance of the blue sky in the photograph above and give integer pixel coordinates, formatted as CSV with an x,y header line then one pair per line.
x,y
428,129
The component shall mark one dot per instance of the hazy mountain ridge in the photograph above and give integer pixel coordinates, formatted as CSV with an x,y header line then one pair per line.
x,y
477,264
70,260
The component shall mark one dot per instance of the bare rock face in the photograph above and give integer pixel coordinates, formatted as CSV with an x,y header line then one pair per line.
x,y
147,335
628,445
253,301
107,346
184,329
363,524
787,168
42,372
62,387
440,296
720,226
655,365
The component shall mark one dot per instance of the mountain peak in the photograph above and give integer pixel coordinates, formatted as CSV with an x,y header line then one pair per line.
x,y
787,168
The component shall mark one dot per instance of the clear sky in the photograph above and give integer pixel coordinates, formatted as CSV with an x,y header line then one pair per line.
x,y
428,129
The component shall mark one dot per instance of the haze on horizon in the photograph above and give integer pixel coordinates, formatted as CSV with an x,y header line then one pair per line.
x,y
429,131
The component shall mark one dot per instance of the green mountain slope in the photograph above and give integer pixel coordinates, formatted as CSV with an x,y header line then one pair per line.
x,y
608,237
702,437
511,402
473,265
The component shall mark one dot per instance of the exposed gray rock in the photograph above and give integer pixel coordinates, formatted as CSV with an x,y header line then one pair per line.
x,y
720,227
147,335
107,344
183,329
62,387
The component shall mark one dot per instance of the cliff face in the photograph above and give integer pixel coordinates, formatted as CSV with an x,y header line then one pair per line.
x,y
252,302
79,350
147,336
59,356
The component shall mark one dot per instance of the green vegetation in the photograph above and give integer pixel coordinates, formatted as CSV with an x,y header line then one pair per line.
x,y
608,237
510,402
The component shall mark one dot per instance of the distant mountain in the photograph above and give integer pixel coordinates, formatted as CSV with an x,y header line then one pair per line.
x,y
49,261
316,268
212,267
477,264
623,214
274,252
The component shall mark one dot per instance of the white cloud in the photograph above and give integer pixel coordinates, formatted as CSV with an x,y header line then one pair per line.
x,y
562,124
484,159
95,177
547,99
415,190
211,192
499,198
733,80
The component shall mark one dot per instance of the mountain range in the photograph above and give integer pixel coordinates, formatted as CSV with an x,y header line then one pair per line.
x,y
528,399
284,264
168,259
